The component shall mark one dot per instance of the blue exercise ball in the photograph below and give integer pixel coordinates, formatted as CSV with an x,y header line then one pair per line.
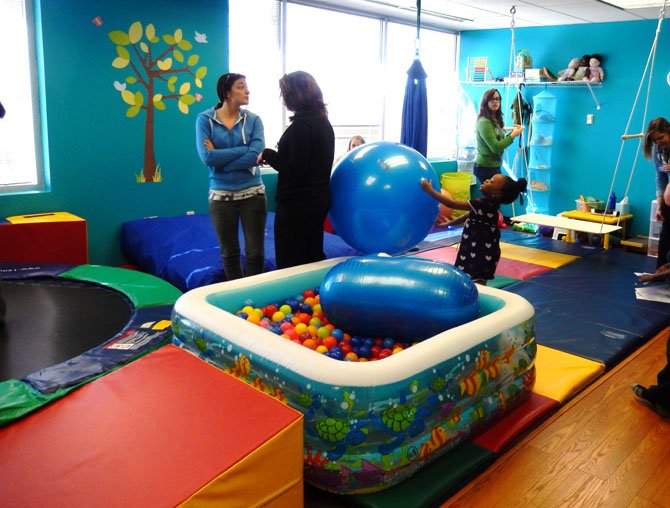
x,y
377,201
401,297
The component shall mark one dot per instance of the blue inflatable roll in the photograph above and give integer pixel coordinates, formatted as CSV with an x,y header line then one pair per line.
x,y
403,298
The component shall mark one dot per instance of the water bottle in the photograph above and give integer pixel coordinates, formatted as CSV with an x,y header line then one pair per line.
x,y
611,203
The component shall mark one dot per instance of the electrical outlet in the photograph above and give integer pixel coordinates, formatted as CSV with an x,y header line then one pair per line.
x,y
589,119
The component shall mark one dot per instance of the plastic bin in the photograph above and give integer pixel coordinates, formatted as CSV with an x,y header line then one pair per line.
x,y
458,185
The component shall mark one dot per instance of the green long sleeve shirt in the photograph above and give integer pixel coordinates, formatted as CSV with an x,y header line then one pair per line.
x,y
491,143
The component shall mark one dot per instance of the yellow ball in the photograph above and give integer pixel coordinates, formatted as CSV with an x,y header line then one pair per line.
x,y
321,349
278,316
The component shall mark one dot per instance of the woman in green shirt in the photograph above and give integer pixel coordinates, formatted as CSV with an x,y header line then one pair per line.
x,y
491,138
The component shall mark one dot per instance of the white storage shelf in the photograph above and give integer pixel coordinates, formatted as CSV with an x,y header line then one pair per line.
x,y
654,232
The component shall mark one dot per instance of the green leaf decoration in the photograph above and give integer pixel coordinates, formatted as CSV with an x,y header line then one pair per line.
x,y
171,82
183,107
131,80
144,47
185,45
123,52
192,60
178,35
128,97
164,65
139,99
135,32
178,55
120,63
169,39
118,37
154,40
201,72
198,82
158,97
187,99
150,31
184,88
160,105
132,111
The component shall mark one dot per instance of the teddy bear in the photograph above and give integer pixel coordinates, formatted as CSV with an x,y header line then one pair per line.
x,y
595,72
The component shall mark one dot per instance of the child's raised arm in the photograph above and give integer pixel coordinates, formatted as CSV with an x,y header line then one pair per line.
x,y
445,200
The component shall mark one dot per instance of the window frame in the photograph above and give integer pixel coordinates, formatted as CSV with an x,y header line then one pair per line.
x,y
33,34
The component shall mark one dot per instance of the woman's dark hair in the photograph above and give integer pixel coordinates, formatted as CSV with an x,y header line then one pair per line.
x,y
302,95
484,111
657,126
224,85
511,190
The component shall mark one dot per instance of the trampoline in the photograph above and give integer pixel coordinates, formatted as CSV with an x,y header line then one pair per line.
x,y
67,324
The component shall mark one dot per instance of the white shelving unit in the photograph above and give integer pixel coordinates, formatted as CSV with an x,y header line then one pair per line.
x,y
654,231
534,84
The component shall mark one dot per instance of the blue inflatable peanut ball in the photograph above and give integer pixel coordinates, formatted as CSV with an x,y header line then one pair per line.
x,y
377,201
399,297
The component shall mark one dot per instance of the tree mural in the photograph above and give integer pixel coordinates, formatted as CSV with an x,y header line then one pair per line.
x,y
157,65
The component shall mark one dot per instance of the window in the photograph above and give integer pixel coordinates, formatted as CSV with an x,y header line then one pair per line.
x,y
20,145
360,62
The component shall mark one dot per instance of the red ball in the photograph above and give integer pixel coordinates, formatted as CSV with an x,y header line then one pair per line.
x,y
385,353
308,293
270,309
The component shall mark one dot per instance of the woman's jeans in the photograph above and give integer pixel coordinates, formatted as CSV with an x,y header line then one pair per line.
x,y
226,217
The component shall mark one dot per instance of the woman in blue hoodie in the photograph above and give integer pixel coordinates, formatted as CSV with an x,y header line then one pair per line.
x,y
229,140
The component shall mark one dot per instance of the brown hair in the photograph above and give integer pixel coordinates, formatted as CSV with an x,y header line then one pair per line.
x,y
356,138
656,126
484,111
225,85
302,95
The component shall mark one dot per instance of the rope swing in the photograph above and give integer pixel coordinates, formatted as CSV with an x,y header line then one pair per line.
x,y
639,136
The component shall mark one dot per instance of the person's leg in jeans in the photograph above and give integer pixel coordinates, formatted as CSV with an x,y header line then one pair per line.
x,y
225,219
253,213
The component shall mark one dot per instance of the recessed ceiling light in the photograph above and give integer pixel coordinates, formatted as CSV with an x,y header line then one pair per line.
x,y
633,4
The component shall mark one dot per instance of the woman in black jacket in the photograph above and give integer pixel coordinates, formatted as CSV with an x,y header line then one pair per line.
x,y
303,159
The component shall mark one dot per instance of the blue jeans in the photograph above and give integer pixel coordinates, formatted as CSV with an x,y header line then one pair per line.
x,y
226,217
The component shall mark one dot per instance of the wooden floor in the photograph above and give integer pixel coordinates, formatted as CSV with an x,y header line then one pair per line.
x,y
602,448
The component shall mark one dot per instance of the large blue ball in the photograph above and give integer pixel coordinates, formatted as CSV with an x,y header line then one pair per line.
x,y
377,201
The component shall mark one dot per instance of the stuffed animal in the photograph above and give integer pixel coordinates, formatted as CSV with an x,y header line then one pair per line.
x,y
569,73
595,73
583,68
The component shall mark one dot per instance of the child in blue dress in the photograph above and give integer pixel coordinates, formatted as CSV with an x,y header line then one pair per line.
x,y
479,250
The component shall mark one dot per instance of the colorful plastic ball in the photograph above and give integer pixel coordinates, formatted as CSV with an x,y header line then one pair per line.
x,y
377,201
286,309
323,332
243,315
388,343
305,307
385,353
364,352
278,316
321,349
293,303
330,342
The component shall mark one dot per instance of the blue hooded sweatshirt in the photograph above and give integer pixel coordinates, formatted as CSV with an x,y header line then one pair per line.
x,y
232,164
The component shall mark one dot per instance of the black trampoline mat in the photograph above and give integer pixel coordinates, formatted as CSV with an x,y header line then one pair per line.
x,y
51,320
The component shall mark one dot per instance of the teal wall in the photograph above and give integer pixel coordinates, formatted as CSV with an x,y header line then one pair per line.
x,y
584,157
94,150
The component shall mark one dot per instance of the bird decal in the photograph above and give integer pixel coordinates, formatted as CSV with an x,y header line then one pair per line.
x,y
201,38
119,86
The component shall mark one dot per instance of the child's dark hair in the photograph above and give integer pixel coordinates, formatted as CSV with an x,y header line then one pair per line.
x,y
511,190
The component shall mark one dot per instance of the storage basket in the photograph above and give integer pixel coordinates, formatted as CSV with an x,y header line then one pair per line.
x,y
587,206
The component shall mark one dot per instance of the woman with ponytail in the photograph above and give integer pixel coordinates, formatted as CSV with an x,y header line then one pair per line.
x,y
229,139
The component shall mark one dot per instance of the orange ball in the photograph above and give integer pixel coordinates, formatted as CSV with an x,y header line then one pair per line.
x,y
330,342
309,343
